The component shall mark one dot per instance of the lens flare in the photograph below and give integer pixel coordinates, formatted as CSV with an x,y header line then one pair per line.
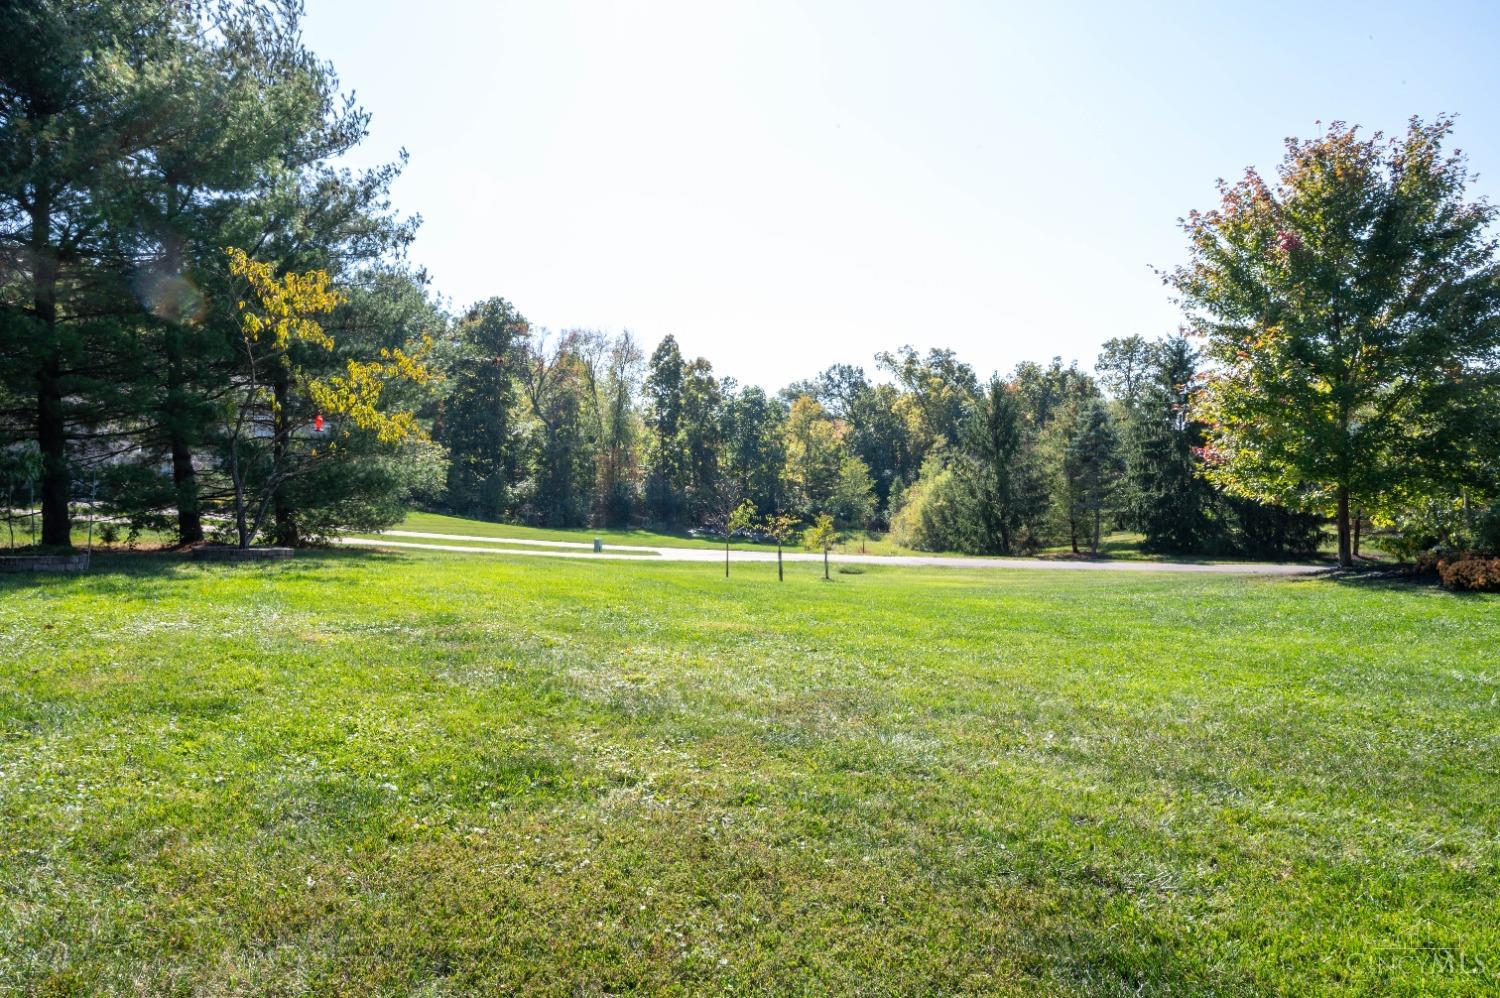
x,y
169,296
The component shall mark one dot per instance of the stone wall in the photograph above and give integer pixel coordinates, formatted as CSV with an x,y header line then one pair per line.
x,y
217,552
44,562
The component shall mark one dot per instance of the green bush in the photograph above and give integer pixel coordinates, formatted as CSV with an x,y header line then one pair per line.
x,y
931,516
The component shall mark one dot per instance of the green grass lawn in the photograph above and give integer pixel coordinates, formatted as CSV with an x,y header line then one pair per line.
x,y
438,523
364,772
1127,545
488,542
1117,546
1121,545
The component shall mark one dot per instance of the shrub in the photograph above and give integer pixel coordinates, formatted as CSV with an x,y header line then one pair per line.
x,y
1469,573
931,516
1487,534
1442,528
1267,531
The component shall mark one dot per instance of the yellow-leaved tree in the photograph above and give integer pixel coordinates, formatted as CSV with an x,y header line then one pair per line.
x,y
266,446
822,536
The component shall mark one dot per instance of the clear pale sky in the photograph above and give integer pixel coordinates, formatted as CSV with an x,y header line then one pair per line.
x,y
785,185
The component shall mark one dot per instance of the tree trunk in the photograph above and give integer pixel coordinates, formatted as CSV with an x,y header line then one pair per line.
x,y
185,484
726,559
825,564
1098,526
175,417
1346,557
52,440
779,576
285,518
242,528
286,525
1359,521
51,433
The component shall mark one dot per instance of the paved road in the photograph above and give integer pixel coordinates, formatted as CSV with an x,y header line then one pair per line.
x,y
575,549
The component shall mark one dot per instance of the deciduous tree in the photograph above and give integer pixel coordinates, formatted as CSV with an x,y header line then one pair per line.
x,y
1350,305
736,520
995,467
822,536
814,451
263,450
781,527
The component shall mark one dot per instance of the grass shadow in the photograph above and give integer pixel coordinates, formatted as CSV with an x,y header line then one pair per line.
x,y
114,571
1387,579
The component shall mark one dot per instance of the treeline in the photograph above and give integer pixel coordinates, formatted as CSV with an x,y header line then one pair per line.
x,y
210,328
1344,366
583,428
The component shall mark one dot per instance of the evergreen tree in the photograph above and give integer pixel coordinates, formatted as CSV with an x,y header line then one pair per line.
x,y
476,421
667,462
702,402
1093,470
234,89
1167,497
136,142
74,114
265,450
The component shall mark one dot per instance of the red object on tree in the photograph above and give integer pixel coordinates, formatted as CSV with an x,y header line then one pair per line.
x,y
318,422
